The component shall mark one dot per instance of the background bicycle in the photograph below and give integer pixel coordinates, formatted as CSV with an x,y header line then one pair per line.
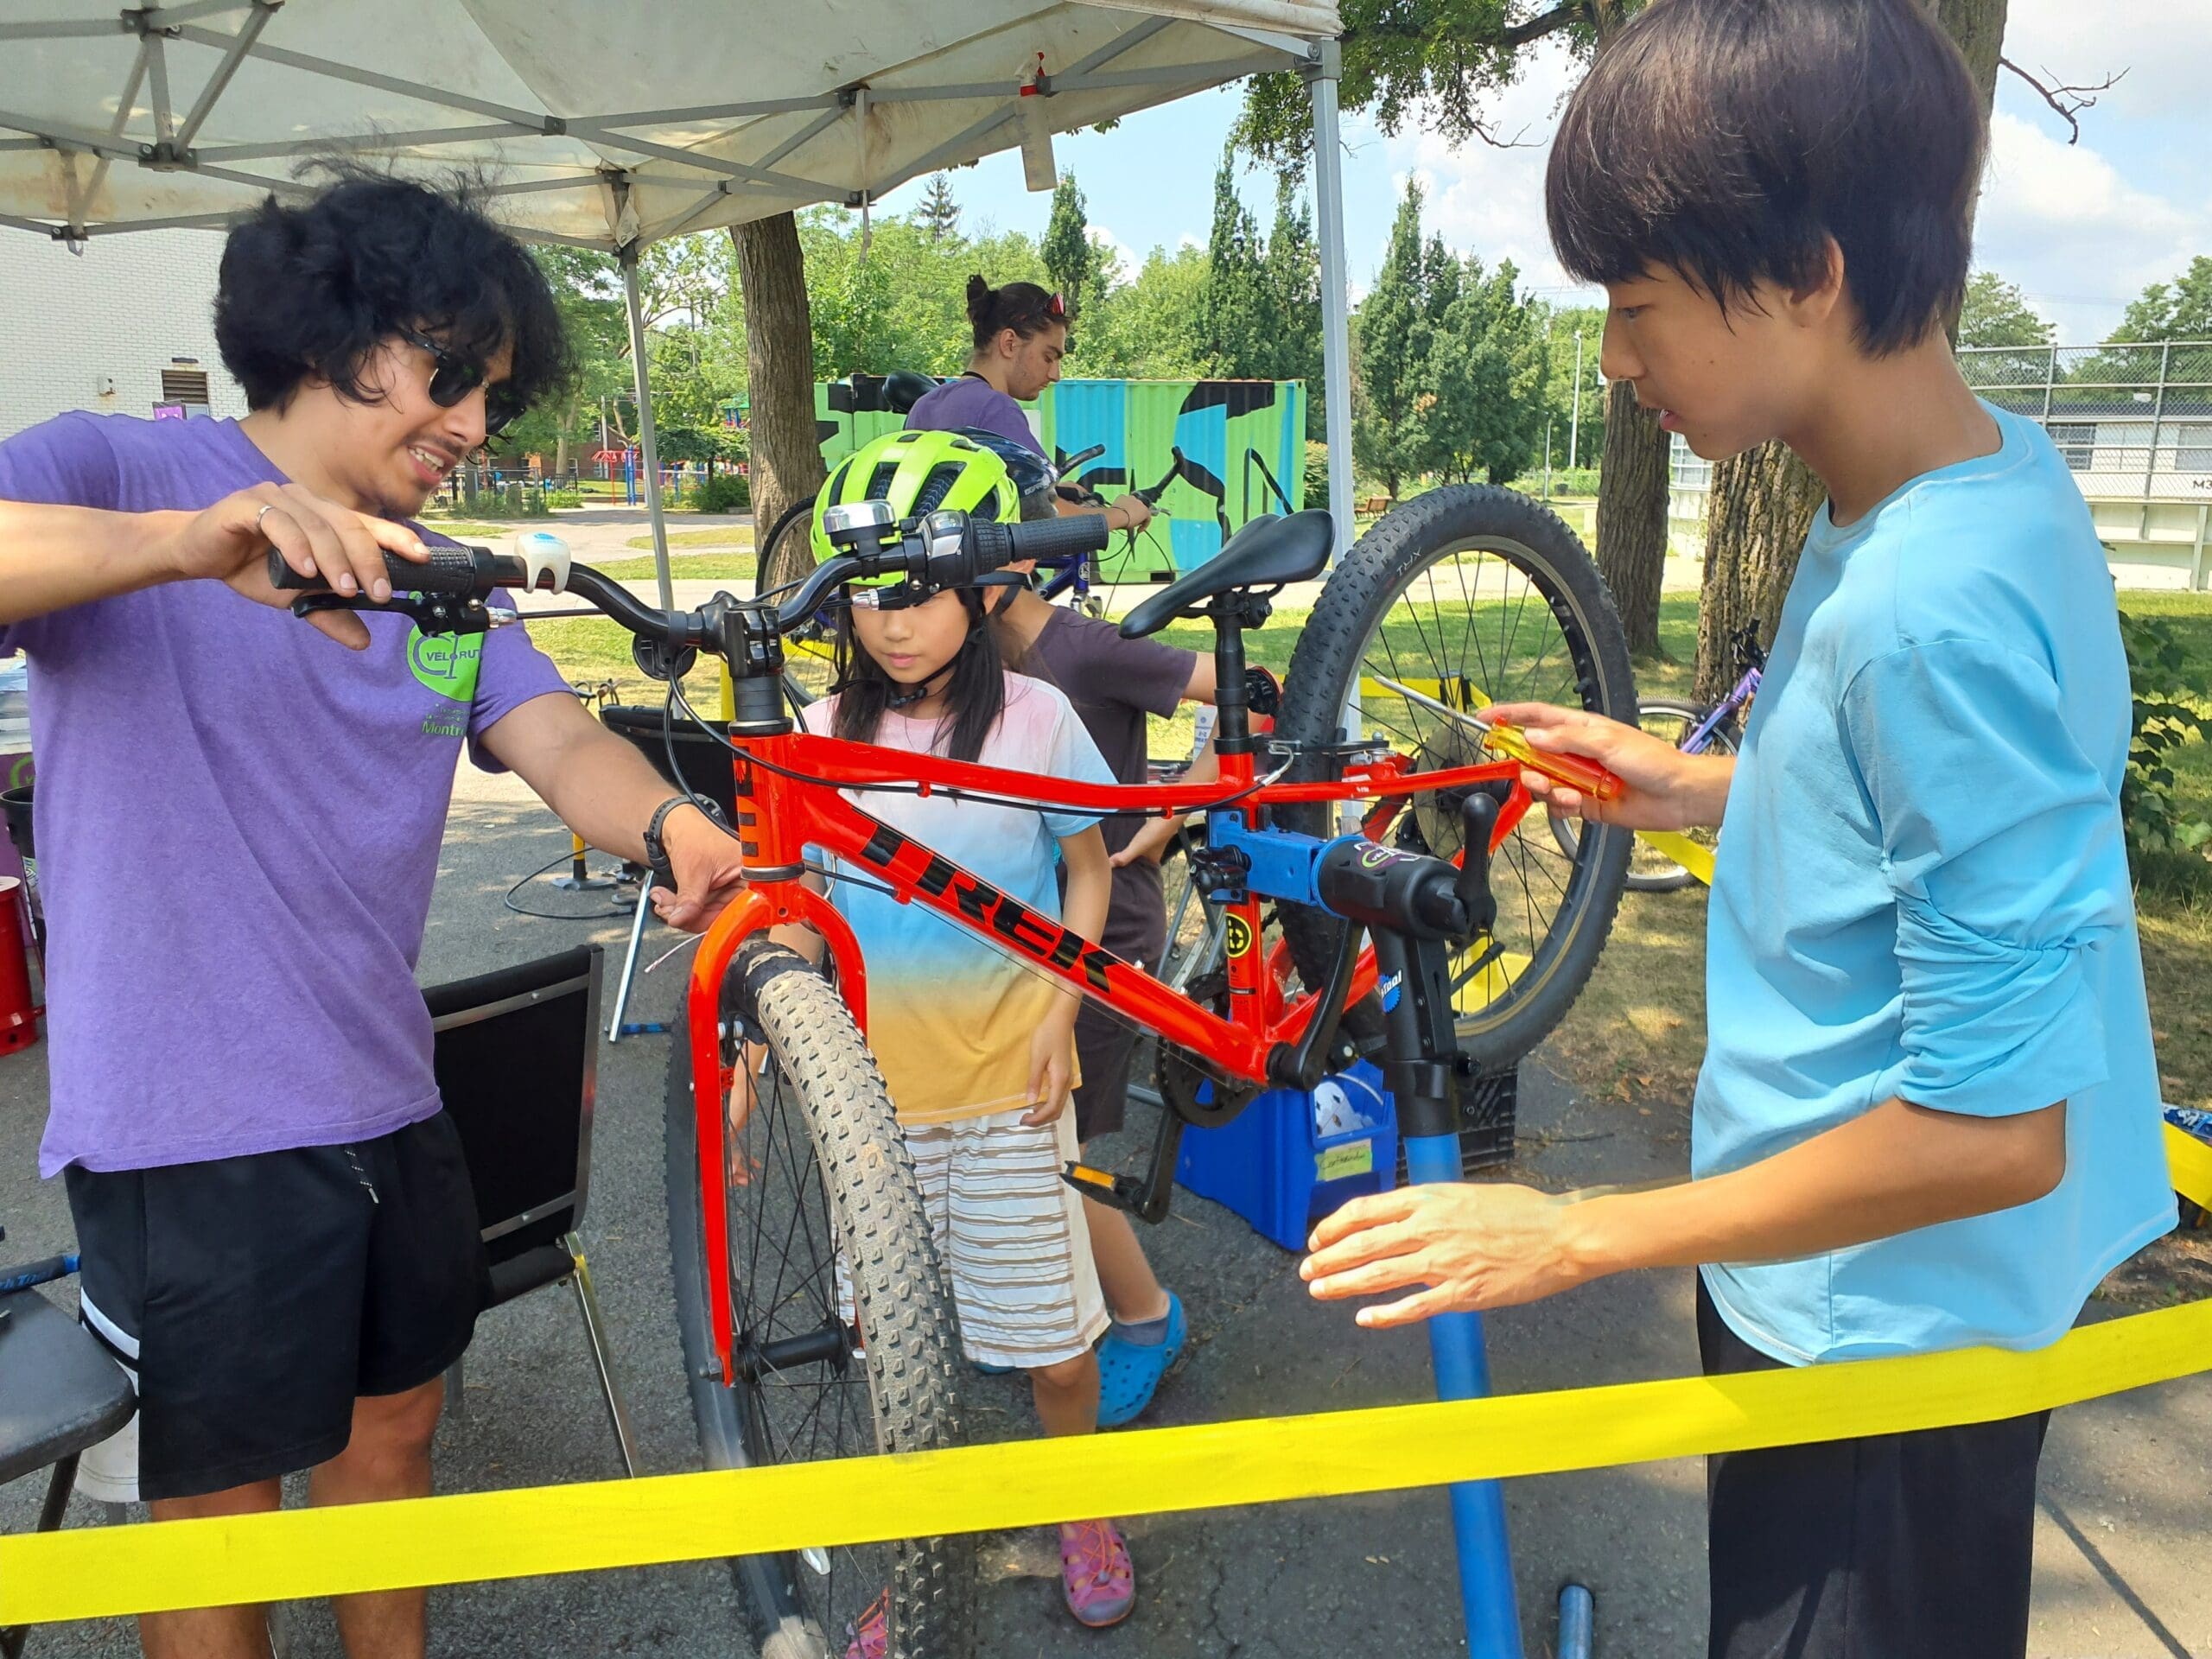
x,y
1695,728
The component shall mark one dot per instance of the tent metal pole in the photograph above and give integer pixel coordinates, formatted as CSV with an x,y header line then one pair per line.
x,y
1336,319
650,454
1321,75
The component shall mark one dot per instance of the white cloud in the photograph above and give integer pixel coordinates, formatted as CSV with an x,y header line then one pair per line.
x,y
2078,238
2163,47
1124,261
1489,201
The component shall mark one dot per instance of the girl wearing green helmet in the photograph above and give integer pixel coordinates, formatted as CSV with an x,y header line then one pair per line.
x,y
978,1053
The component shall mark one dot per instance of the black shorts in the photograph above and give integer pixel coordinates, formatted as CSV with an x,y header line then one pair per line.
x,y
1893,1547
1105,1044
257,1297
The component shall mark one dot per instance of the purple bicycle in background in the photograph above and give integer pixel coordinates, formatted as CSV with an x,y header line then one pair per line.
x,y
1694,729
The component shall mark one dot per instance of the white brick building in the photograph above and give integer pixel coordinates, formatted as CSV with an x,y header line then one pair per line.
x,y
98,329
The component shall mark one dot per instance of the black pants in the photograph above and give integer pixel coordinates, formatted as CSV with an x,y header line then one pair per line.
x,y
1895,1547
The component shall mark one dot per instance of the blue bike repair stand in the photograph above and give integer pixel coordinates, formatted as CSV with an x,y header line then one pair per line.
x,y
1424,1096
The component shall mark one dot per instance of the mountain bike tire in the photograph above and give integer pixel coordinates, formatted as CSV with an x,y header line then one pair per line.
x,y
1369,617
1649,869
785,556
835,1180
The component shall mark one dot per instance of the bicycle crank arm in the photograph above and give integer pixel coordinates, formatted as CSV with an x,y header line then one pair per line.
x,y
1147,1197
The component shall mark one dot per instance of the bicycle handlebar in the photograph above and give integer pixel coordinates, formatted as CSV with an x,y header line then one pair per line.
x,y
945,550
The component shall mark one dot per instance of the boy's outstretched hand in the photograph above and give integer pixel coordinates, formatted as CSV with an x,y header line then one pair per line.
x,y
1665,788
1471,1245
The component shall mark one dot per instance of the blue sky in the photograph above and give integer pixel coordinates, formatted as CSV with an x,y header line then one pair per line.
x,y
2081,228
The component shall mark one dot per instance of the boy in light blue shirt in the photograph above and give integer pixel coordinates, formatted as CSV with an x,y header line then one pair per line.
x,y
1929,1113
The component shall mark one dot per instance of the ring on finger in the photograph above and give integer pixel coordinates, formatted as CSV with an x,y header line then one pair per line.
x,y
267,507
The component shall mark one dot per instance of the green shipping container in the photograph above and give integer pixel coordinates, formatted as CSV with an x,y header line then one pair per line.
x,y
1225,451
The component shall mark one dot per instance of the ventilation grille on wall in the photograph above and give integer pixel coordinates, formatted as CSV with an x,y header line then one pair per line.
x,y
184,383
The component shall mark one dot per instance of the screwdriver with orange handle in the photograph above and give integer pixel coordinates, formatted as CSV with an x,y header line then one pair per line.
x,y
1577,772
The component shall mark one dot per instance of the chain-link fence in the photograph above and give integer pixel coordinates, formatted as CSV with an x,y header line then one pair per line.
x,y
2131,419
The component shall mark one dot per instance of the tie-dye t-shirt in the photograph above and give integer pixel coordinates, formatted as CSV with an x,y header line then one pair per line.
x,y
950,1017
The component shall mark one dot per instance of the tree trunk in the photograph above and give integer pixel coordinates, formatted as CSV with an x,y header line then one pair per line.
x,y
1977,27
780,362
1632,525
1762,503
1761,506
1632,514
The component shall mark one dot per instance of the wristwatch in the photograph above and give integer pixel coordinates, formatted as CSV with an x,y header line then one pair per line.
x,y
656,852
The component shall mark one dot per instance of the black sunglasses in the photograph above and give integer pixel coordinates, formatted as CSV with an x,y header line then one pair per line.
x,y
455,377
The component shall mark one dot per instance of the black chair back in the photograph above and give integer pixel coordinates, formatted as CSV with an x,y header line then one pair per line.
x,y
709,769
517,1057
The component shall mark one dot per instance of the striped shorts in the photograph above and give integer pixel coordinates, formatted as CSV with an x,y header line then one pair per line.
x,y
1011,1236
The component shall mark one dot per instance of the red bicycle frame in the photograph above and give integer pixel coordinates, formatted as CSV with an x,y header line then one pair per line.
x,y
788,798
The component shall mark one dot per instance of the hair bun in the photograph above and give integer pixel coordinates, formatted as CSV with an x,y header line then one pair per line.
x,y
980,296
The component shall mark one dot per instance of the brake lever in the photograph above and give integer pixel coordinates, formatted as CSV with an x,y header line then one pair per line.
x,y
431,612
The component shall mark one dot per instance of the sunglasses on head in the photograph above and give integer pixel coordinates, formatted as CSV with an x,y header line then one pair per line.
x,y
455,377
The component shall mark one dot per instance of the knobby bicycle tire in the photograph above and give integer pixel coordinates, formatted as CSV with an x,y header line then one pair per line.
x,y
1407,544
785,556
841,1147
1649,870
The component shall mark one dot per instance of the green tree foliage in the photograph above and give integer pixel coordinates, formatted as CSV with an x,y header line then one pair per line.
x,y
1235,319
1454,366
1998,314
1588,434
1290,272
1075,267
2181,309
939,214
1433,64
1147,329
1392,330
1484,377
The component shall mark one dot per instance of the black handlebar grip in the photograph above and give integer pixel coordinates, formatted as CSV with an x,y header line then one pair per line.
x,y
1056,538
459,571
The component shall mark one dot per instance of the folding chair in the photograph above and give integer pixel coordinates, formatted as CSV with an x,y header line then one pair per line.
x,y
60,1393
517,1057
707,770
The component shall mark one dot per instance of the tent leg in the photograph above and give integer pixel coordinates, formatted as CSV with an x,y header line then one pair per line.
x,y
1320,76
650,458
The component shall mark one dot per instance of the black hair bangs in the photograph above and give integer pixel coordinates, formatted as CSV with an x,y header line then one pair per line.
x,y
1729,140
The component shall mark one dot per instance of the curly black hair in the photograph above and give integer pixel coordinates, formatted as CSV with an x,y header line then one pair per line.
x,y
311,289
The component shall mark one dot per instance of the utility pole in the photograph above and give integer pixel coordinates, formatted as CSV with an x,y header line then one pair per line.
x,y
1574,427
1547,460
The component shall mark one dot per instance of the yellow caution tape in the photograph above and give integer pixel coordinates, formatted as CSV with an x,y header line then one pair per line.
x,y
105,1572
113,1571
2190,1161
1697,860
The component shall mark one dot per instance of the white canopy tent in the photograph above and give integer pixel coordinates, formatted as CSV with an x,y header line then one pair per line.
x,y
614,127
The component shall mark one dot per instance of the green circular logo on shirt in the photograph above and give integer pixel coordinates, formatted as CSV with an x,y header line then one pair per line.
x,y
447,663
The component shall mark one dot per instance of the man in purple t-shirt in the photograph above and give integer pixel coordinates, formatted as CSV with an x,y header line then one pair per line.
x,y
239,820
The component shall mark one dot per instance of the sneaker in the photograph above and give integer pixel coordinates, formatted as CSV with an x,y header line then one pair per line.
x,y
1096,1573
872,1636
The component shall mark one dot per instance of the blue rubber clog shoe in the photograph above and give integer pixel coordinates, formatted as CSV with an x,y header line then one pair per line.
x,y
1128,1372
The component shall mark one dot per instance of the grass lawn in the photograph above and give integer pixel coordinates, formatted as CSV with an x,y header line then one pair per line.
x,y
726,566
714,536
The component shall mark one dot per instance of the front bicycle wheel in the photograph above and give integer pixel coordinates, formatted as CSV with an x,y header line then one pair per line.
x,y
845,1332
786,557
1672,721
1467,595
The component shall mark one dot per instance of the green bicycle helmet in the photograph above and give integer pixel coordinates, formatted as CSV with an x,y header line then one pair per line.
x,y
915,473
